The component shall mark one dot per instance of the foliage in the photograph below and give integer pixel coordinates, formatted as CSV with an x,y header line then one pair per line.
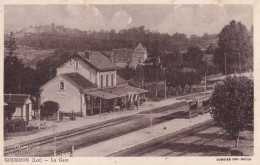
x,y
193,58
48,108
10,45
17,77
15,125
127,73
13,68
182,77
214,69
236,42
72,116
8,111
55,36
232,103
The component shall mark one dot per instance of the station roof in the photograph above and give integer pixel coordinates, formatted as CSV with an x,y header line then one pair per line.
x,y
115,92
79,81
19,99
98,60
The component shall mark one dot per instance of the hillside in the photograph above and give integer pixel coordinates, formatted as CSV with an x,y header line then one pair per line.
x,y
56,36
39,42
31,56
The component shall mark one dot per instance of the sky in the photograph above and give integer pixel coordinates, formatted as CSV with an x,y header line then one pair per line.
x,y
188,19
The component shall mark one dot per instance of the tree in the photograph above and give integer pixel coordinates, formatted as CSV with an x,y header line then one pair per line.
x,y
48,108
232,104
44,71
17,78
172,80
193,58
10,45
236,48
8,111
12,67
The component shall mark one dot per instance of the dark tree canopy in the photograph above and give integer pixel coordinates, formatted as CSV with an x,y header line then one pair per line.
x,y
17,77
232,103
48,108
10,45
236,42
8,111
13,67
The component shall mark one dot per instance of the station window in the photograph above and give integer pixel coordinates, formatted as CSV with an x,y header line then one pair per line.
x,y
112,79
61,85
107,80
76,65
101,80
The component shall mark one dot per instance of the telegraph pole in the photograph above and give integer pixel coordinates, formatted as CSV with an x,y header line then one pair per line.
x,y
164,82
206,77
165,87
75,47
156,93
225,63
239,63
151,120
157,65
55,147
143,75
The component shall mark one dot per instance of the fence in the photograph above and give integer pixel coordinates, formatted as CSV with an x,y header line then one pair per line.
x,y
147,84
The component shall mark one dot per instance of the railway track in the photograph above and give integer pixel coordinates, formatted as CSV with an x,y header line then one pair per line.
x,y
68,134
195,145
62,136
158,143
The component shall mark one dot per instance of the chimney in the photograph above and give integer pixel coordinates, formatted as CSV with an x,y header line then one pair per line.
x,y
87,55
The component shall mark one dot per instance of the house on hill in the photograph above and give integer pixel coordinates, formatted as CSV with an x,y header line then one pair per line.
x,y
208,56
129,57
22,104
208,59
87,83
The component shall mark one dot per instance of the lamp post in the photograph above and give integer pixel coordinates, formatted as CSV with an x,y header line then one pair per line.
x,y
142,70
151,121
164,69
206,76
156,92
157,65
225,54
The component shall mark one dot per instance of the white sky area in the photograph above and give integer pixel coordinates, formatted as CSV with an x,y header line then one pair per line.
x,y
188,19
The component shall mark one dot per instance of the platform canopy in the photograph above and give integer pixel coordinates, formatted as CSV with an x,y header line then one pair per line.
x,y
115,92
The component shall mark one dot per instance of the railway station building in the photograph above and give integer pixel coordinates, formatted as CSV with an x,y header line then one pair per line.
x,y
87,84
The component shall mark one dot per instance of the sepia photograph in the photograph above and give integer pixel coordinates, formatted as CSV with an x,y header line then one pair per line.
x,y
128,80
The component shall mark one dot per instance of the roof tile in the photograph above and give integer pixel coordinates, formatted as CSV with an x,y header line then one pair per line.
x,y
98,60
78,80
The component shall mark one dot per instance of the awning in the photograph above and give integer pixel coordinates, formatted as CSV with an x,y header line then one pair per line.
x,y
102,94
115,92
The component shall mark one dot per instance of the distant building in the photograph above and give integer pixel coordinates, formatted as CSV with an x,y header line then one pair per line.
x,y
129,57
208,56
22,104
87,83
122,57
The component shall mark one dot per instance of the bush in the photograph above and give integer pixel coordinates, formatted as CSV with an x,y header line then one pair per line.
x,y
72,117
48,108
8,111
233,104
15,125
